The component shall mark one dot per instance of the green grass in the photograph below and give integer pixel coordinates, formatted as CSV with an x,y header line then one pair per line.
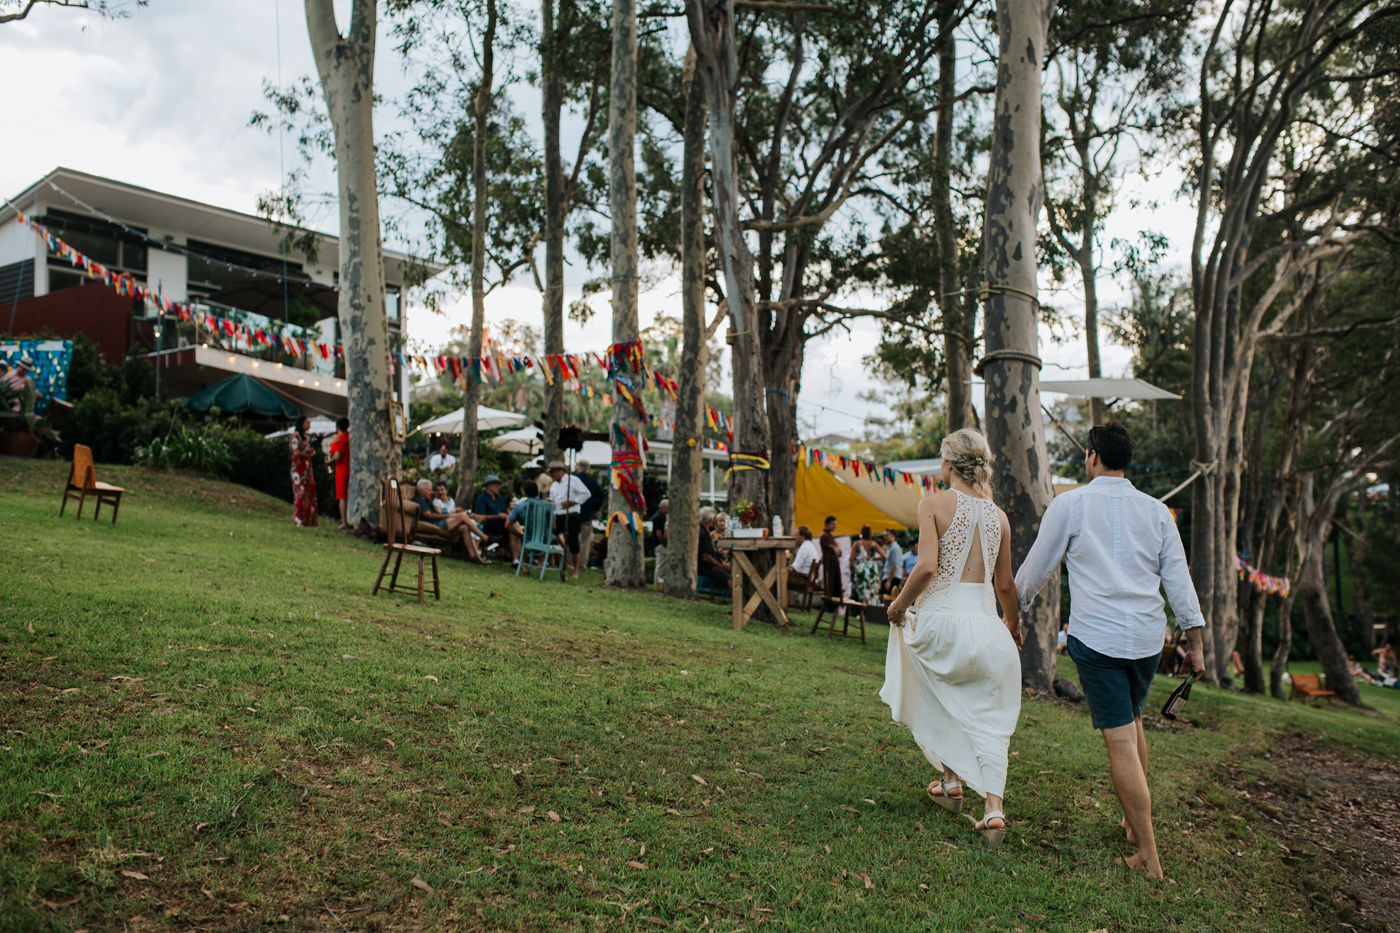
x,y
208,723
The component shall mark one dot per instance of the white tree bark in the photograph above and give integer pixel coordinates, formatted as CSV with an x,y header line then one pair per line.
x,y
1015,195
345,64
624,565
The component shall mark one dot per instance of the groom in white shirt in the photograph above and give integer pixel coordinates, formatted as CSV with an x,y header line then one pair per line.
x,y
1122,549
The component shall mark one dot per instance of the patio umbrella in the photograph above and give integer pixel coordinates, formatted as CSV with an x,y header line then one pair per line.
x,y
524,441
487,419
239,394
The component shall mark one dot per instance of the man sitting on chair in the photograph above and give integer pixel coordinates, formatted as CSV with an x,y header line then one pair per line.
x,y
492,512
709,563
455,523
807,555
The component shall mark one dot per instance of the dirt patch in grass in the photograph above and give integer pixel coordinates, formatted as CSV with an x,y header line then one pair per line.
x,y
1336,818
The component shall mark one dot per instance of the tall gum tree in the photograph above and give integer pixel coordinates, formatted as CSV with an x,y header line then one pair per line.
x,y
345,64
1011,363
624,566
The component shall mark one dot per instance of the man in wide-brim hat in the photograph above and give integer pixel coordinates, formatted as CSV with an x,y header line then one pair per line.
x,y
18,381
568,493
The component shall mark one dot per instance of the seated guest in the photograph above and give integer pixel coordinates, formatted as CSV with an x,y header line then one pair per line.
x,y
455,523
709,563
515,521
720,526
1385,660
568,493
442,500
893,570
807,556
911,558
492,512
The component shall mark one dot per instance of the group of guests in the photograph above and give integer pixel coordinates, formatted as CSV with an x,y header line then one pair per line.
x,y
303,447
877,568
488,520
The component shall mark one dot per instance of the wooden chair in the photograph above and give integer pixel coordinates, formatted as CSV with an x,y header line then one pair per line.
x,y
807,588
540,539
82,482
1309,685
391,505
832,600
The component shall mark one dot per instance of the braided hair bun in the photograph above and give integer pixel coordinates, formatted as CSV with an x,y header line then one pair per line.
x,y
967,452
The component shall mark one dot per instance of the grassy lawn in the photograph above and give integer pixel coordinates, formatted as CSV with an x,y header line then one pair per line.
x,y
208,723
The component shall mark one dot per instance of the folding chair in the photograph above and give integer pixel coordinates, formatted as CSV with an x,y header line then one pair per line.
x,y
391,506
540,539
82,482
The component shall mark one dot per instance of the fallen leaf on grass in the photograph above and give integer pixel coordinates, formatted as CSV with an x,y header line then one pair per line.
x,y
430,677
70,690
1035,918
31,628
639,866
922,827
136,875
868,800
673,811
52,657
868,883
422,885
47,794
923,887
390,743
699,780
553,817
68,903
526,810
658,921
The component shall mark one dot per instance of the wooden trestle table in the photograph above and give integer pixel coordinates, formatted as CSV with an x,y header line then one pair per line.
x,y
771,588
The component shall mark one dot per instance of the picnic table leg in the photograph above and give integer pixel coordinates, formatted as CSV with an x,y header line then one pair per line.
x,y
781,566
736,591
761,585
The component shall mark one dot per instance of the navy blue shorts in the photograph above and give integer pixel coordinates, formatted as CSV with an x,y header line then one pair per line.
x,y
1116,688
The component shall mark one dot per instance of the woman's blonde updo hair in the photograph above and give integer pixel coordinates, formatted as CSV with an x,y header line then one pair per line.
x,y
969,456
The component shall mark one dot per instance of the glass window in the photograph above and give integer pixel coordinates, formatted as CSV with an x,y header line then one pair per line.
x,y
391,303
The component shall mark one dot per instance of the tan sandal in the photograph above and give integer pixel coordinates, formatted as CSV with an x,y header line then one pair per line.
x,y
992,834
945,799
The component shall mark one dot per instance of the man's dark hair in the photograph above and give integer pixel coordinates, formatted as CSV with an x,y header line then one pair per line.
x,y
532,489
1113,444
342,424
828,520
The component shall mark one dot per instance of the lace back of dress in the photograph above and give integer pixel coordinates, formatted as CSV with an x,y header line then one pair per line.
x,y
953,547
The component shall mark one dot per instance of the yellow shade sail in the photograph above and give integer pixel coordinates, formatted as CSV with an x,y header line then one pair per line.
x,y
820,494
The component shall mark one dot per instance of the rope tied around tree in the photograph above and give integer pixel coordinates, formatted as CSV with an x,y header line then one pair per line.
x,y
1019,356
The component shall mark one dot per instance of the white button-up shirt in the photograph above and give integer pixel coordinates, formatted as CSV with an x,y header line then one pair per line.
x,y
807,555
1122,549
568,488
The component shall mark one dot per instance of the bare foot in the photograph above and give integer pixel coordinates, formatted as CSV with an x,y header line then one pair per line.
x,y
1138,863
1129,830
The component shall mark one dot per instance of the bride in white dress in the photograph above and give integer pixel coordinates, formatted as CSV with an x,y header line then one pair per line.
x,y
952,671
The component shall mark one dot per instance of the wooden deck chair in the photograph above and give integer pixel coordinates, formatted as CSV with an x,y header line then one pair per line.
x,y
82,482
397,545
540,541
808,587
1310,685
833,601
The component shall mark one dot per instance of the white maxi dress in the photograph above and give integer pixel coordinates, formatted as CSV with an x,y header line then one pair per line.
x,y
953,674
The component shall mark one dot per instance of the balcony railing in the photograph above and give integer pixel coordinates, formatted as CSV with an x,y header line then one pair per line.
x,y
195,333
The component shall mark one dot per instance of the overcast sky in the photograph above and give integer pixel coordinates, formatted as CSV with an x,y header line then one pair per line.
x,y
163,98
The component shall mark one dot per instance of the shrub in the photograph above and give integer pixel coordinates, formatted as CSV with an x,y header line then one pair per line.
x,y
114,429
199,448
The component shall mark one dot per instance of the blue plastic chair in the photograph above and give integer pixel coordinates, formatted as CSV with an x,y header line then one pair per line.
x,y
540,538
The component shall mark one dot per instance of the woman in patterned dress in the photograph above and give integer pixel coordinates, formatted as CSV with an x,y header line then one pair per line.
x,y
303,479
866,557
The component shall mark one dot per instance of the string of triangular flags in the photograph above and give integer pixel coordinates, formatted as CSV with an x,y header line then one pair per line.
x,y
1262,582
127,286
869,468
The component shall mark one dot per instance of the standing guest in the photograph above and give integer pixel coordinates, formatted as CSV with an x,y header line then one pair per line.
x,y
808,555
303,478
453,522
340,456
18,381
828,538
493,513
893,570
658,534
911,558
596,499
866,557
442,460
568,494
1122,549
709,563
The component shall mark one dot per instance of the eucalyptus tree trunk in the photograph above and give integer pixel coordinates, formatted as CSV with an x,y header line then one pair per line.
x,y
1011,365
1312,590
712,31
471,398
625,563
1356,560
957,323
555,210
345,64
688,457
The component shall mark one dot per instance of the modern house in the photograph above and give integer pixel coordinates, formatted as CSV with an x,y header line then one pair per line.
x,y
233,266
